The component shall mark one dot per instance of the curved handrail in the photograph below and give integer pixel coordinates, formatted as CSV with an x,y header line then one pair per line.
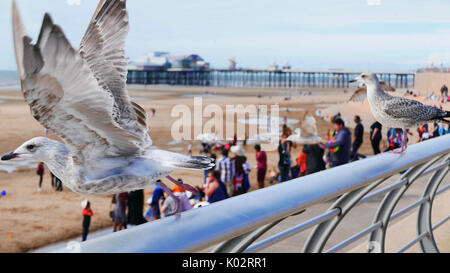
x,y
196,230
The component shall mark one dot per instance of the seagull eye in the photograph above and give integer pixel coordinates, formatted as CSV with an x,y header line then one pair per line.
x,y
30,147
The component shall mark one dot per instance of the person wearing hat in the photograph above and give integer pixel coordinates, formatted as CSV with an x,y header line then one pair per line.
x,y
239,160
357,139
87,214
181,194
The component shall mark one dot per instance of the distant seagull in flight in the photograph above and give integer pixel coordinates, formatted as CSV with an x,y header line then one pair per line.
x,y
307,133
81,96
398,112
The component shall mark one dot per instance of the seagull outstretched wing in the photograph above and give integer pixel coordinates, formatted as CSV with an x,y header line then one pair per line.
x,y
309,126
65,96
360,95
103,49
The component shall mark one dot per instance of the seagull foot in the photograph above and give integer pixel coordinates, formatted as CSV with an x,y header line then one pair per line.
x,y
184,186
398,151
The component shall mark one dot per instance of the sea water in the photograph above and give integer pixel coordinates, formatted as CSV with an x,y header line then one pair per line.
x,y
8,79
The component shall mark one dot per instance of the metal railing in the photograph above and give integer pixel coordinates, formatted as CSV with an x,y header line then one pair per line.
x,y
234,225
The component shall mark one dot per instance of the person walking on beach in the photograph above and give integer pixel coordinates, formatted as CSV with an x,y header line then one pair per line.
x,y
120,215
227,171
444,93
56,183
358,139
284,163
40,171
87,214
261,159
53,177
376,136
343,140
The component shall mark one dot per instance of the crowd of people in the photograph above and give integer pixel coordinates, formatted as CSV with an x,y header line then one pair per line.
x,y
231,175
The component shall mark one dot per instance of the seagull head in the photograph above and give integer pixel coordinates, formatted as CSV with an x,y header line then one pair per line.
x,y
366,79
36,148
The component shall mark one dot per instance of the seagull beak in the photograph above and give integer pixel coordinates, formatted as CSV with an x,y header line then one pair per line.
x,y
352,81
9,156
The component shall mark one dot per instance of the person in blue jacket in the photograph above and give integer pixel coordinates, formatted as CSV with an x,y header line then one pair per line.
x,y
343,140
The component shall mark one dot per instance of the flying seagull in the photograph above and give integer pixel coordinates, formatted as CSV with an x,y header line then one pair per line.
x,y
81,96
307,133
398,112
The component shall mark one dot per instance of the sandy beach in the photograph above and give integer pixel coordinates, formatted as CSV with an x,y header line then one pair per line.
x,y
30,219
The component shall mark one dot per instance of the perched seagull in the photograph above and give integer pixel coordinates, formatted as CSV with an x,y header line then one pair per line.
x,y
307,133
398,112
81,96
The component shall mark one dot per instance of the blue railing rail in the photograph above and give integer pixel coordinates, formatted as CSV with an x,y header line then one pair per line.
x,y
235,224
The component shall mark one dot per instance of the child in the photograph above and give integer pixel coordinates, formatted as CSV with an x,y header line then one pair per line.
x,y
87,214
273,176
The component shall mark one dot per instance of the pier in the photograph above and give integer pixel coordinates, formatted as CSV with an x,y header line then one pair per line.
x,y
262,78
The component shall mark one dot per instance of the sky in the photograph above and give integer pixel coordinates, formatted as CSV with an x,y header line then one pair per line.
x,y
369,35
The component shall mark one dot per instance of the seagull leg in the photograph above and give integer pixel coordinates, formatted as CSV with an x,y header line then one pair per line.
x,y
404,144
405,140
183,186
175,198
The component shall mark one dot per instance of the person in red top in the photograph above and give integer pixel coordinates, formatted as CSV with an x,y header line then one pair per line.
x,y
261,159
301,162
40,172
87,214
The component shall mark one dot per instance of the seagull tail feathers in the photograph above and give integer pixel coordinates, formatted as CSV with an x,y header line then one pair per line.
x,y
180,161
445,121
196,163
